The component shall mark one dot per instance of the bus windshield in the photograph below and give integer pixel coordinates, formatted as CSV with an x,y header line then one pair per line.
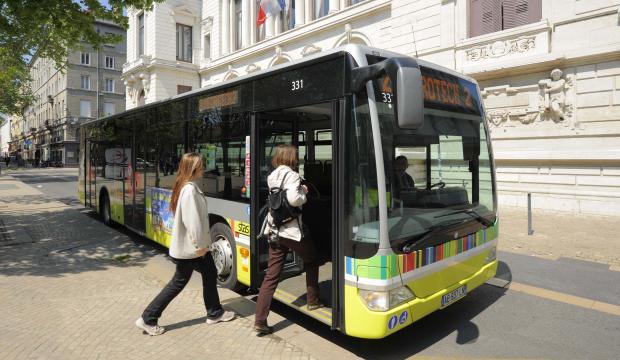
x,y
438,177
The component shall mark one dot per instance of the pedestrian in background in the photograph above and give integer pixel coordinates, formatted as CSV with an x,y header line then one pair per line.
x,y
291,235
189,248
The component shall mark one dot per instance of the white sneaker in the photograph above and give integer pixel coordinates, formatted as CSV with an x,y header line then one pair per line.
x,y
152,330
226,316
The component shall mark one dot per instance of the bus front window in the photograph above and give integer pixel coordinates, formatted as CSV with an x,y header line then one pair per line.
x,y
437,177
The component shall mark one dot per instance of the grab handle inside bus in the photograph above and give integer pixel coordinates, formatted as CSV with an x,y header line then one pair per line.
x,y
406,86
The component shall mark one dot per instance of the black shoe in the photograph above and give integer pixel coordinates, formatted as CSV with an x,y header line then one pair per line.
x,y
263,329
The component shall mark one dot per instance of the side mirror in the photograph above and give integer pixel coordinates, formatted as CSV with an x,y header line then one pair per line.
x,y
406,80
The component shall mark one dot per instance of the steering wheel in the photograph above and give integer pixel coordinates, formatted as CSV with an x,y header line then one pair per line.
x,y
313,192
440,185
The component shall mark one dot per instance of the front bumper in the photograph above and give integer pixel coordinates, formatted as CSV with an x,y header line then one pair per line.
x,y
363,323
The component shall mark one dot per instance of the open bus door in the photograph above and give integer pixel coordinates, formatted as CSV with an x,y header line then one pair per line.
x,y
313,130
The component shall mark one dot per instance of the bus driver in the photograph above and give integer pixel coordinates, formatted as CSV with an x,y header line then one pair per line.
x,y
402,180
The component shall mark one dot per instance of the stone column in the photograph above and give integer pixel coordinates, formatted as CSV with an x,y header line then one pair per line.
x,y
225,27
270,24
278,23
308,5
334,6
253,16
343,4
245,23
300,12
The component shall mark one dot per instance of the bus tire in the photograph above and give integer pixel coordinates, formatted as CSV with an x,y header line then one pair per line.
x,y
224,252
104,208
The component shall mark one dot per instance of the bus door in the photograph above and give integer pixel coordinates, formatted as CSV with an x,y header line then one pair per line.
x,y
90,193
311,129
135,207
273,130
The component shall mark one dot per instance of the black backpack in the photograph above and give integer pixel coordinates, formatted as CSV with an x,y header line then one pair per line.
x,y
280,210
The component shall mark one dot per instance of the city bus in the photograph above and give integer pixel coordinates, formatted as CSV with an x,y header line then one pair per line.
x,y
395,152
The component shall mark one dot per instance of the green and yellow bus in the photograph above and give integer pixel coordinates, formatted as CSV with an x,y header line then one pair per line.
x,y
396,152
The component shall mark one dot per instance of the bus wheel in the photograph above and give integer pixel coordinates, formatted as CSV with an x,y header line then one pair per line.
x,y
224,255
104,209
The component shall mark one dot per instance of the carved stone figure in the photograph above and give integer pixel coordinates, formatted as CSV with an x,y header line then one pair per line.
x,y
553,104
497,116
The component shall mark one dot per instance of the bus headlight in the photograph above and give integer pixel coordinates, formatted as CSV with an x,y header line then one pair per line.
x,y
492,255
385,300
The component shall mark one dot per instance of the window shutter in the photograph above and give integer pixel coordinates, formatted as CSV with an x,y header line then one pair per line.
x,y
520,12
485,16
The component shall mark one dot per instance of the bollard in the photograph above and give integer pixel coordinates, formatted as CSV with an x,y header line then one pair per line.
x,y
530,230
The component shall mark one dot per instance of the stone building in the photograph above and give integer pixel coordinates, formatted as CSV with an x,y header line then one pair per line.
x,y
5,136
549,71
90,87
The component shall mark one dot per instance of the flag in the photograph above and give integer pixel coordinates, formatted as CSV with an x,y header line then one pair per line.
x,y
260,19
272,7
290,13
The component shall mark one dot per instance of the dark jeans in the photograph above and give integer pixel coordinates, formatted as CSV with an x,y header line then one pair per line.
x,y
304,248
185,268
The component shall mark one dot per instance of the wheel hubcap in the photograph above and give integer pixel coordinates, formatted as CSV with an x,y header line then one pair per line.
x,y
222,257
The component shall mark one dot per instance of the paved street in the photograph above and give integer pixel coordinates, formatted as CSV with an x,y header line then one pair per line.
x,y
72,287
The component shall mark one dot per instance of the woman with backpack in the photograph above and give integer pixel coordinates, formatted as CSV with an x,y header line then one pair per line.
x,y
189,248
289,235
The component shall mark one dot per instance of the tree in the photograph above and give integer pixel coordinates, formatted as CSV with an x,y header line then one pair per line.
x,y
49,29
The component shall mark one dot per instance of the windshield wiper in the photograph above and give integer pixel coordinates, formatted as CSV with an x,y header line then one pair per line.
x,y
476,215
418,240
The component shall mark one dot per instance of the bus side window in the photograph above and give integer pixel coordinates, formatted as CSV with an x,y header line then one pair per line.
x,y
220,136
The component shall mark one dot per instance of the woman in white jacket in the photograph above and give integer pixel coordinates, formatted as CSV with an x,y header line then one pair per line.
x,y
291,236
189,248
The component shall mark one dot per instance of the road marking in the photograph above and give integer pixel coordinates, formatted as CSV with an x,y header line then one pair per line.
x,y
567,299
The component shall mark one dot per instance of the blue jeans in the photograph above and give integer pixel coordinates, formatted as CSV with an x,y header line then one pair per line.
x,y
184,269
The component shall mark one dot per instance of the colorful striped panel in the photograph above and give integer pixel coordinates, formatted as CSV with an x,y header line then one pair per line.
x,y
387,266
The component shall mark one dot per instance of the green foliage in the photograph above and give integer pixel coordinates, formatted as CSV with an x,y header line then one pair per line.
x,y
49,29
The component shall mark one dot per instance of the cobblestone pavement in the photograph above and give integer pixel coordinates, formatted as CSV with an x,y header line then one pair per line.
x,y
71,288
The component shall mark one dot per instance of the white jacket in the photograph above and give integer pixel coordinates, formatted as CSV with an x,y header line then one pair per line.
x,y
191,223
295,195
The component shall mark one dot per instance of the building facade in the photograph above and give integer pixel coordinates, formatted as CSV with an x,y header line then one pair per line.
x,y
89,87
549,71
5,136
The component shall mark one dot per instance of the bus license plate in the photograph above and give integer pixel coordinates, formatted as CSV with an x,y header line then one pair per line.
x,y
453,296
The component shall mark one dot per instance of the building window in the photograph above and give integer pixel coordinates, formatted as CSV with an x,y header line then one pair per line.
x,y
321,8
109,85
109,34
184,43
488,16
108,109
85,82
85,58
287,19
109,62
141,34
238,31
183,88
85,108
207,47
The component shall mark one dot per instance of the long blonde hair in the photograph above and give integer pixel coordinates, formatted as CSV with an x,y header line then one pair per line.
x,y
189,166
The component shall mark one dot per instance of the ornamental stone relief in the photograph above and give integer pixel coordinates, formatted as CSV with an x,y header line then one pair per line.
x,y
554,104
550,101
501,48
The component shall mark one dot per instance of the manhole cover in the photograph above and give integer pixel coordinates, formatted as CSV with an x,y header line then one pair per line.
x,y
7,187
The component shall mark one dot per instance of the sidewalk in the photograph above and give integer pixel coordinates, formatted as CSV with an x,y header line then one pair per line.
x,y
556,234
71,288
